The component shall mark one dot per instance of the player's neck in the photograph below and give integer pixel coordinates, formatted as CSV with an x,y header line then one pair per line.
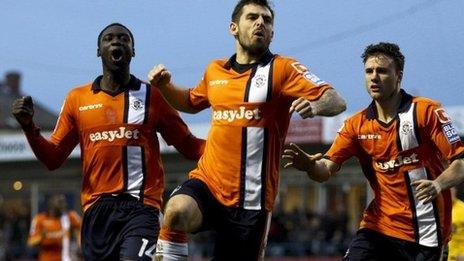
x,y
388,109
245,57
113,81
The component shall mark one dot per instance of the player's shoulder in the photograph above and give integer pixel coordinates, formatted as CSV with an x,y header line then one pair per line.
x,y
72,213
41,216
218,62
155,93
425,102
284,60
80,89
425,106
359,116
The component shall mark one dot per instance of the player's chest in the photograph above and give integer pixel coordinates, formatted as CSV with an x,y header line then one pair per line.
x,y
52,226
254,86
378,140
103,109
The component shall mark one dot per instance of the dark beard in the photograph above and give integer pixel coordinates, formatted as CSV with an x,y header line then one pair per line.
x,y
256,50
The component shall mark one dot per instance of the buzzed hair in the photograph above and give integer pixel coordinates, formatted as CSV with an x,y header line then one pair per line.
x,y
115,24
389,49
239,8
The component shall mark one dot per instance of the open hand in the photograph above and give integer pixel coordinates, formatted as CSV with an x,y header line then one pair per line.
x,y
426,190
299,159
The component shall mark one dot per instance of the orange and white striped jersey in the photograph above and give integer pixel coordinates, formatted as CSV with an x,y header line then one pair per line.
x,y
250,117
54,234
118,140
415,145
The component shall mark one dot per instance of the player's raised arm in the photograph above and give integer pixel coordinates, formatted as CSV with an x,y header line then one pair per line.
x,y
51,154
177,96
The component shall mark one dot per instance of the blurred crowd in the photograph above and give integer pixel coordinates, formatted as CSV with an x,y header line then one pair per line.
x,y
298,234
295,234
14,228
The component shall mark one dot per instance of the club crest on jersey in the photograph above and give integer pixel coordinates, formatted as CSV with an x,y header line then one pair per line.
x,y
137,104
260,81
406,127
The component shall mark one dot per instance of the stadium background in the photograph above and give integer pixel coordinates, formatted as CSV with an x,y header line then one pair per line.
x,y
311,221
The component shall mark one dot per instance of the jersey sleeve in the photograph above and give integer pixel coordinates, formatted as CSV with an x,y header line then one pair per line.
x,y
198,95
175,132
299,81
35,232
443,133
65,137
344,146
75,220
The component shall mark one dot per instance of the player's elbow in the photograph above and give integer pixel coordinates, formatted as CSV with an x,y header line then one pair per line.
x,y
339,105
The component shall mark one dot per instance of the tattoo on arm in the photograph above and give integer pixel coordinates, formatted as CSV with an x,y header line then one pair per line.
x,y
329,104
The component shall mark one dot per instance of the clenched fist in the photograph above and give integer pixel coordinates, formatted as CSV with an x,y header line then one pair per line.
x,y
23,110
159,76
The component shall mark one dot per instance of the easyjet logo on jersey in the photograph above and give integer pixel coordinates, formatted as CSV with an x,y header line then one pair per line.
x,y
218,82
91,107
54,234
111,135
241,113
398,162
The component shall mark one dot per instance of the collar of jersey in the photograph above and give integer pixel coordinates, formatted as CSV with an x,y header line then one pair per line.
x,y
134,84
232,62
406,100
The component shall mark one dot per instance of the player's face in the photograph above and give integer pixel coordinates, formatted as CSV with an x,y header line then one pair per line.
x,y
382,78
57,204
116,47
254,30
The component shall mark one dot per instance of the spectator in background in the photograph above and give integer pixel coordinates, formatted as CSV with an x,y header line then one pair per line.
x,y
53,230
14,226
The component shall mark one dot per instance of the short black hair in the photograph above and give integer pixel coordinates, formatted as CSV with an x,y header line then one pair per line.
x,y
239,7
389,49
115,24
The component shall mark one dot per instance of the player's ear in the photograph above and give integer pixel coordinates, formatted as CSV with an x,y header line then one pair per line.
x,y
233,29
98,52
400,76
133,52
